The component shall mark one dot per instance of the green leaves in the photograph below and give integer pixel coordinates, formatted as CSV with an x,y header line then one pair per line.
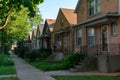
x,y
7,5
17,26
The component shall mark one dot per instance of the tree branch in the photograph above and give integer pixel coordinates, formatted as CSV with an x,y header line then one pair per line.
x,y
4,23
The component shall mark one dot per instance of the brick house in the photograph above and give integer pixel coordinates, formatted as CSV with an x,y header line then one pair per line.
x,y
97,32
27,41
38,34
63,30
47,33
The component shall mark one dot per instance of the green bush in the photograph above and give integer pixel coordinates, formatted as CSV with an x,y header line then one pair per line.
x,y
72,59
48,50
53,67
37,54
69,61
5,60
31,56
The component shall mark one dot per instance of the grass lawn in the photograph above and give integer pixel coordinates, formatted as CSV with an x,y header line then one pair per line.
x,y
11,78
47,66
86,78
5,70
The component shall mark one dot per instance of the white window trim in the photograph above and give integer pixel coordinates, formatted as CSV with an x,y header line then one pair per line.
x,y
119,7
113,32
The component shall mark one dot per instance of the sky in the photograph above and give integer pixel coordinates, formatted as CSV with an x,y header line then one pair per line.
x,y
49,8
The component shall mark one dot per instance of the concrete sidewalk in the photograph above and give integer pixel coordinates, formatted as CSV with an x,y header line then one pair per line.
x,y
68,73
12,75
28,72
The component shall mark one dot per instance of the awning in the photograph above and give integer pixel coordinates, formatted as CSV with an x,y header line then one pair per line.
x,y
62,30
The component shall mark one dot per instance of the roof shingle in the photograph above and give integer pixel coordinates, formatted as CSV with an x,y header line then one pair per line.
x,y
70,15
51,23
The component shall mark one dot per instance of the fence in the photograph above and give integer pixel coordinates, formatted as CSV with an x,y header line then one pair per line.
x,y
112,49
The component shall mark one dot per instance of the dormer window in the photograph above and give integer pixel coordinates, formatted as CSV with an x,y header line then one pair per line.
x,y
94,7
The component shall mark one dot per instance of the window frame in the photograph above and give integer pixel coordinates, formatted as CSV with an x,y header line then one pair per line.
x,y
96,4
78,38
113,29
89,43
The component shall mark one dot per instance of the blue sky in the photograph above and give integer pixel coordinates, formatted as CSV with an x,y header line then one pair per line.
x,y
49,8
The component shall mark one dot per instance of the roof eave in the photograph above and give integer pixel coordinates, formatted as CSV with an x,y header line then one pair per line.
x,y
106,17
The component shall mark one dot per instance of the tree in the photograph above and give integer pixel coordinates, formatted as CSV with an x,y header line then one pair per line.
x,y
18,27
7,7
14,15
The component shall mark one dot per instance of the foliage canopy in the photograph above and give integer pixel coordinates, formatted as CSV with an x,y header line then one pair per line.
x,y
7,6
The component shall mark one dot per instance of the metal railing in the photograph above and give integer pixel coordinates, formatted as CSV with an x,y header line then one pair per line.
x,y
112,49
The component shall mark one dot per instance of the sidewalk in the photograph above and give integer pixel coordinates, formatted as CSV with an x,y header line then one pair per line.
x,y
68,73
13,75
28,72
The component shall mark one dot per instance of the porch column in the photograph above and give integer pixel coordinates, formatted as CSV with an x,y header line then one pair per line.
x,y
84,36
71,40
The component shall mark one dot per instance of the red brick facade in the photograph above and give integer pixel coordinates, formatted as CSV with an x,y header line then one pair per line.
x,y
62,31
108,15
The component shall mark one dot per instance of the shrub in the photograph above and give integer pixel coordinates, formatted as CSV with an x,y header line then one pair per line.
x,y
48,50
37,54
20,51
43,55
5,60
69,61
31,55
72,59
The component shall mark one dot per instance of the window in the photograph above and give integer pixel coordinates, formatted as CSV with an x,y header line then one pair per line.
x,y
113,28
94,6
90,37
59,44
79,37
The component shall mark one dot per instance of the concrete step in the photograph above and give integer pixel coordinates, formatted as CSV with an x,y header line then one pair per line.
x,y
78,66
81,63
81,66
74,69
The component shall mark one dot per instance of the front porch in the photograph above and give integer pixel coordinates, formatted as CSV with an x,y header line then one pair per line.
x,y
99,37
62,41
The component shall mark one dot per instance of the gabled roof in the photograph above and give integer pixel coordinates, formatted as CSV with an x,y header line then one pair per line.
x,y
51,23
70,15
41,26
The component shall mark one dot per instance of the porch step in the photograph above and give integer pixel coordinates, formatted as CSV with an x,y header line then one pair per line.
x,y
73,70
78,66
85,65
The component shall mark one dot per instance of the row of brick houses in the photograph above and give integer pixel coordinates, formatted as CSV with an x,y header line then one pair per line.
x,y
92,28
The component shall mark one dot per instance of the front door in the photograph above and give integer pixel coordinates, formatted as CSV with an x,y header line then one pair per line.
x,y
104,38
